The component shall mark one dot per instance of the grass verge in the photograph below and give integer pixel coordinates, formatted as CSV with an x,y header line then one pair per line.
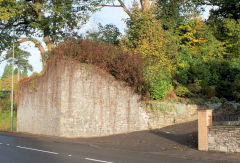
x,y
5,120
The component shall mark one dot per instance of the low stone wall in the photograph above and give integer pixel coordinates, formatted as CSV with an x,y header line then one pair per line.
x,y
163,114
225,139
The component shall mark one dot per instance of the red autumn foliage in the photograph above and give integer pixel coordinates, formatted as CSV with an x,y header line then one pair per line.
x,y
23,80
26,80
124,66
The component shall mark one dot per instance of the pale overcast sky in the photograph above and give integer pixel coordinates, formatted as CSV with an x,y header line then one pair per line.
x,y
114,16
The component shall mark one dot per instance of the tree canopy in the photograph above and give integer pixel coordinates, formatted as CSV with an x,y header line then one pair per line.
x,y
108,33
224,8
20,60
50,20
7,71
172,49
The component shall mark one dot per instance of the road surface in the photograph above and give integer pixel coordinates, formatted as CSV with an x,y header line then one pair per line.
x,y
21,148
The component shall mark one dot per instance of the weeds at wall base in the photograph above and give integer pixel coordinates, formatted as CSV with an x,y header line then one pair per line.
x,y
5,120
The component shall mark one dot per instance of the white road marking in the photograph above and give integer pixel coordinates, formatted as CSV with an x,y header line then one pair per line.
x,y
7,144
90,159
37,150
1,143
69,155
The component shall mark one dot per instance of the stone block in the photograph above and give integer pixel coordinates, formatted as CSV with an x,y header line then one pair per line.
x,y
211,140
223,148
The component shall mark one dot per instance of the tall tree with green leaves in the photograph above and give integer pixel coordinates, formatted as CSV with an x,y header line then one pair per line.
x,y
24,73
20,60
109,34
7,71
224,21
224,9
50,20
174,12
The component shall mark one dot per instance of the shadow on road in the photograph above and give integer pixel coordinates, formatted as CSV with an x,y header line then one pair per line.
x,y
189,139
184,134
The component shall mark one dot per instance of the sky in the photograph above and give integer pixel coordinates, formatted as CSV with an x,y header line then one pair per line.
x,y
107,15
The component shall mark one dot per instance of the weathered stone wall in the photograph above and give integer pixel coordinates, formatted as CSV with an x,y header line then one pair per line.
x,y
169,113
225,139
73,99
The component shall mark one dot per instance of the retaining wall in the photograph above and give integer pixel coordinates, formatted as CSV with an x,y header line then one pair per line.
x,y
78,100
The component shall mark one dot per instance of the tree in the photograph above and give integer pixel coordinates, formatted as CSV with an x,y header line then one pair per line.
x,y
7,83
20,60
108,33
224,9
231,43
49,19
145,34
224,21
174,12
145,5
24,73
7,71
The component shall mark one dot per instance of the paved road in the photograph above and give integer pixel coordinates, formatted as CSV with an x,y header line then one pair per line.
x,y
20,148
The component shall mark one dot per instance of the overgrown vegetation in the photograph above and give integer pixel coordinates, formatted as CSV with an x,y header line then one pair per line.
x,y
167,47
21,61
122,65
5,102
185,55
5,120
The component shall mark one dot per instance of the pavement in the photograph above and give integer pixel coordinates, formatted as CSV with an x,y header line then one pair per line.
x,y
167,145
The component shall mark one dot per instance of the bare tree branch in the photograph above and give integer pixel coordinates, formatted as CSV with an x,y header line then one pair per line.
x,y
141,2
110,6
124,8
37,43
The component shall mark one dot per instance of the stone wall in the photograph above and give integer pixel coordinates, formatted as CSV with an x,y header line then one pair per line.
x,y
79,100
169,113
225,139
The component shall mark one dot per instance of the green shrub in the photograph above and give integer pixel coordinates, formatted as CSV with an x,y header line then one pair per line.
x,y
198,101
215,100
158,90
5,102
182,76
237,87
227,86
195,87
157,81
223,100
199,71
210,91
183,91
215,76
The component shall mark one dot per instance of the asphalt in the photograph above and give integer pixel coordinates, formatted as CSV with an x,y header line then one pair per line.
x,y
26,148
32,149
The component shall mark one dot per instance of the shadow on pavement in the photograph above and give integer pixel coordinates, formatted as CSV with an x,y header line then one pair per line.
x,y
189,139
184,134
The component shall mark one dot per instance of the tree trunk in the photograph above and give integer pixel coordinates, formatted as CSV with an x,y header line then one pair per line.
x,y
38,45
145,5
50,45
